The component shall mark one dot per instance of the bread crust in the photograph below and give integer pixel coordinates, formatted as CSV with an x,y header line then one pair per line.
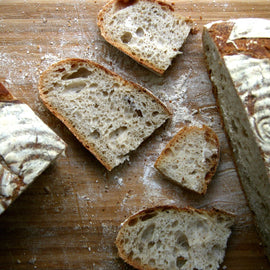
x,y
5,95
254,47
123,3
12,182
68,124
218,34
148,213
210,135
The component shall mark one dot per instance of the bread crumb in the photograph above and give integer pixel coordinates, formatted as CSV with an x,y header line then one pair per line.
x,y
32,260
47,189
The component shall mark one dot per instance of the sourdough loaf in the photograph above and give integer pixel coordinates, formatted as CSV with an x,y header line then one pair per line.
x,y
190,158
149,31
109,115
170,238
238,58
27,147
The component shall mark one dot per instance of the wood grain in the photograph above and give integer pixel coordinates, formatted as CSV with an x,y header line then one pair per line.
x,y
69,217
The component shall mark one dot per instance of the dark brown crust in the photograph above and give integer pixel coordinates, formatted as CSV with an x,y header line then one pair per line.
x,y
210,135
68,124
161,208
5,95
254,47
124,3
260,50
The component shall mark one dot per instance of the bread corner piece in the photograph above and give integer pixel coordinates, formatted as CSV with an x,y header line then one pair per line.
x,y
171,238
238,59
27,147
109,115
191,158
149,31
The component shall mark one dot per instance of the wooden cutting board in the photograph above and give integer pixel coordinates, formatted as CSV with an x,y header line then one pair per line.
x,y
69,217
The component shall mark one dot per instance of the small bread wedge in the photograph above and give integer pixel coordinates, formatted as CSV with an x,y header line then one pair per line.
x,y
109,115
171,238
191,158
149,31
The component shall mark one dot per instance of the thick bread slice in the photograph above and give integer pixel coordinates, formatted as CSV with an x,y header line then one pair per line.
x,y
170,238
27,147
238,59
191,157
149,31
109,115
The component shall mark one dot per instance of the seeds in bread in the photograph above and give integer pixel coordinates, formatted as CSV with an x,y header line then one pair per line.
x,y
191,157
149,31
109,115
170,238
238,61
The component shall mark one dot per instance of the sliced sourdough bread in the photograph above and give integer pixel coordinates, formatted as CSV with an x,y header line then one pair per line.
x,y
238,59
170,238
149,31
109,115
191,158
27,147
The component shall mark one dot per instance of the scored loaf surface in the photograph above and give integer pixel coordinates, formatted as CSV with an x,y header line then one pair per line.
x,y
27,147
191,158
171,238
149,31
238,59
109,115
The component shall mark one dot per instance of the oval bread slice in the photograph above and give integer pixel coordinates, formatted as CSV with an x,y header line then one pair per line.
x,y
149,31
170,238
190,159
109,115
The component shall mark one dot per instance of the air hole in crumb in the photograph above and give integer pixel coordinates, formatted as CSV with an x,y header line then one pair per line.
x,y
151,244
155,113
139,32
148,232
180,261
139,113
175,223
181,240
80,73
132,222
75,87
93,85
60,70
152,262
95,134
174,167
148,216
126,37
117,132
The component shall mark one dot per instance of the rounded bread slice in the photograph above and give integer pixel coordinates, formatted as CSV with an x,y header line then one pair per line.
x,y
171,238
191,158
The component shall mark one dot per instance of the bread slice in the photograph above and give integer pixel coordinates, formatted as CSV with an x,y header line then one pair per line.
x,y
238,59
27,147
149,31
191,158
109,115
170,238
